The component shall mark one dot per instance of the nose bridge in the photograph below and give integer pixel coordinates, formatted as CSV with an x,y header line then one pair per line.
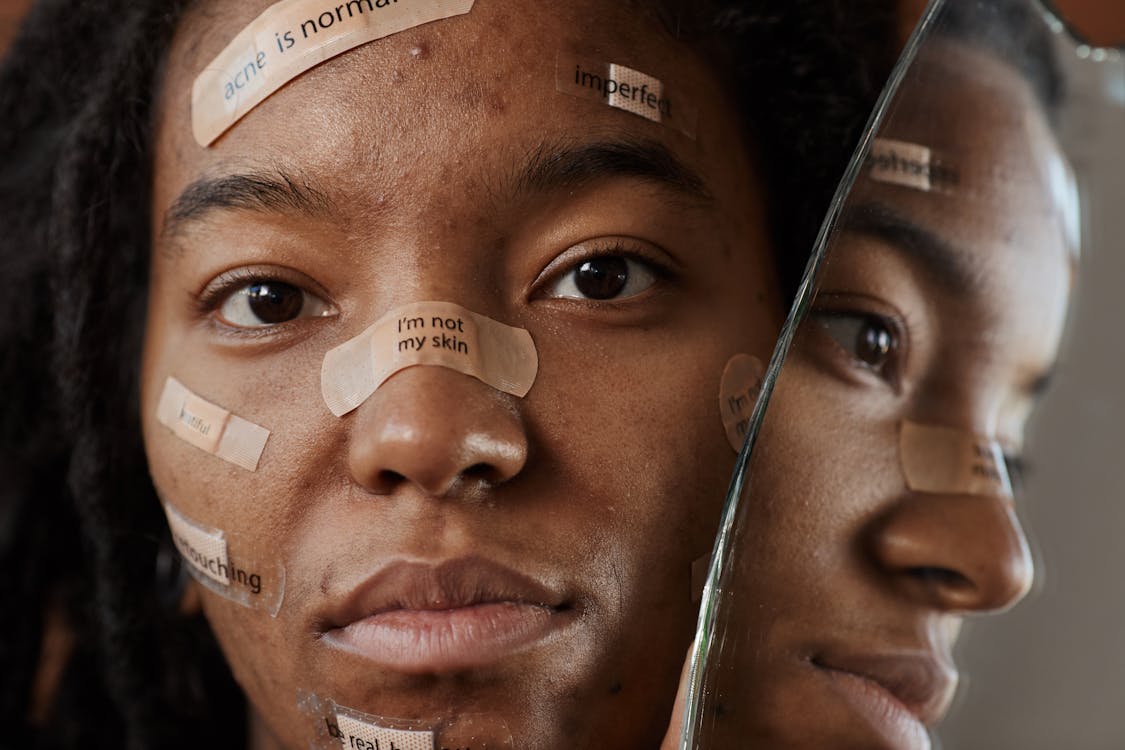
x,y
436,430
954,552
969,399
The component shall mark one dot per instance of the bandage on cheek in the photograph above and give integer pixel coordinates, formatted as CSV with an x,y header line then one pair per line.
x,y
441,334
334,725
226,564
287,39
946,460
626,89
210,427
738,393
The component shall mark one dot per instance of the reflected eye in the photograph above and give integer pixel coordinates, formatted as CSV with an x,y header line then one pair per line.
x,y
604,278
269,303
871,340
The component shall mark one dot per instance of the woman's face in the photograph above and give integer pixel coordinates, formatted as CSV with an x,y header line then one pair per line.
x,y
942,308
449,549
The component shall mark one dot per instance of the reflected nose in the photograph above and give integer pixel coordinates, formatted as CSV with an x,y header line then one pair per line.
x,y
437,430
958,553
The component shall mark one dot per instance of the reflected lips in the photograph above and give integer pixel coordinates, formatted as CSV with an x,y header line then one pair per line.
x,y
897,694
461,614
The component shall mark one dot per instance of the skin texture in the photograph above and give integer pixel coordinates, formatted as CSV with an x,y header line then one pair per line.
x,y
602,485
857,586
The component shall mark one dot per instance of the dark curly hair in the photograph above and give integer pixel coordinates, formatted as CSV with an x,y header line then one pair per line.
x,y
81,532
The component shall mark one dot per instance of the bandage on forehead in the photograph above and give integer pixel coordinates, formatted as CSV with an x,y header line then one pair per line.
x,y
738,393
210,427
920,167
946,460
226,564
287,39
441,334
624,88
334,725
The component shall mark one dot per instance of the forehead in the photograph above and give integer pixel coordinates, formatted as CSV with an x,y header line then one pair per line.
x,y
456,90
996,203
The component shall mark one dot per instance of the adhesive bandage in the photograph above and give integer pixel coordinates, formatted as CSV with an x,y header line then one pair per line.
x,y
738,393
951,461
428,333
209,427
335,725
623,88
287,39
239,576
910,165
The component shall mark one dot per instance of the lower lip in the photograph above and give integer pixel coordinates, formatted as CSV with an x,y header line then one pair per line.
x,y
898,726
429,641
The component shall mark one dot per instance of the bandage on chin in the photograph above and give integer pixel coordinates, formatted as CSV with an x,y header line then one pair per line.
x,y
334,725
228,565
946,460
210,427
287,39
441,334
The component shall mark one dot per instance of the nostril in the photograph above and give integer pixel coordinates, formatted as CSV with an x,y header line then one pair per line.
x,y
483,472
388,480
940,577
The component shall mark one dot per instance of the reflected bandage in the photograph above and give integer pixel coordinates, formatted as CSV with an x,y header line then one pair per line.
x,y
210,427
950,461
236,574
287,39
335,725
738,393
909,165
441,334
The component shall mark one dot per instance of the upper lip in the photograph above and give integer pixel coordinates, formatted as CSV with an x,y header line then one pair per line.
x,y
440,585
920,681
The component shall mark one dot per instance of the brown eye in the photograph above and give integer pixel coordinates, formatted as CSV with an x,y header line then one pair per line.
x,y
870,339
269,303
602,278
605,278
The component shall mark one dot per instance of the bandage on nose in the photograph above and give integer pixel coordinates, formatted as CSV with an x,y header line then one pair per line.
x,y
946,460
440,334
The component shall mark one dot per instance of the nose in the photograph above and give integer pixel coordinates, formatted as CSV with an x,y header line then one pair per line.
x,y
956,553
436,430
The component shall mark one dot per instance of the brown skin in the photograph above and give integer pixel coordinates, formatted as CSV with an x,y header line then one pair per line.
x,y
843,561
604,482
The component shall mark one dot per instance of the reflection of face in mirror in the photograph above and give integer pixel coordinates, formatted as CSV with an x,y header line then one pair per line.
x,y
940,305
557,546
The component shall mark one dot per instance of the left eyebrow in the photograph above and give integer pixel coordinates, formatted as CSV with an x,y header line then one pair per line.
x,y
551,168
274,191
953,269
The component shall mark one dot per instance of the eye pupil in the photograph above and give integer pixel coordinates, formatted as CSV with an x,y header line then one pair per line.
x,y
275,302
602,278
874,343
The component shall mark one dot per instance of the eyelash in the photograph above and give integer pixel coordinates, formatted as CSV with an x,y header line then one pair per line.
x,y
662,268
226,285
849,307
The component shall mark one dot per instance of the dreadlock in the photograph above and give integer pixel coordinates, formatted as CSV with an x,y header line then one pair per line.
x,y
78,515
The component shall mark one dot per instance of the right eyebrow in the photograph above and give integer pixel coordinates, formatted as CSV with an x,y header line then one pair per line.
x,y
276,191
